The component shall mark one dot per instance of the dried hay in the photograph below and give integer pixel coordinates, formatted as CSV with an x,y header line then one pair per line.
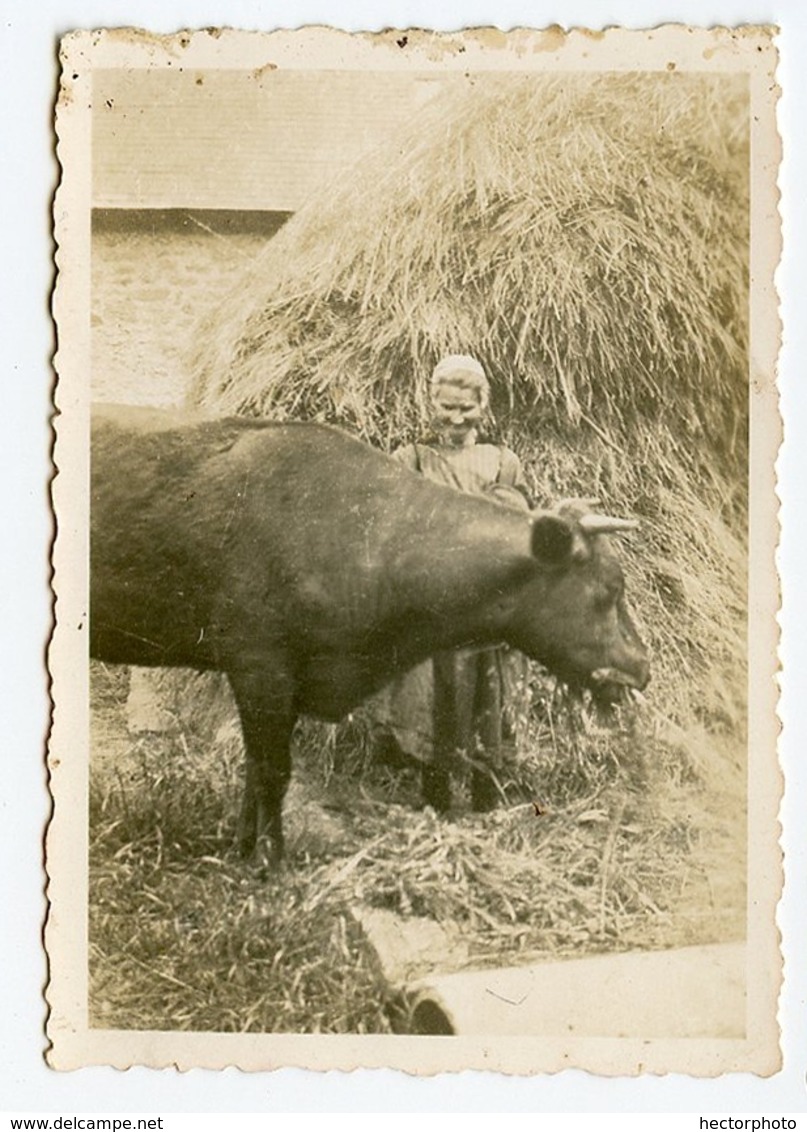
x,y
584,235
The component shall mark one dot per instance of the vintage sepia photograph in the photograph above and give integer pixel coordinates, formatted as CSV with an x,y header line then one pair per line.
x,y
415,649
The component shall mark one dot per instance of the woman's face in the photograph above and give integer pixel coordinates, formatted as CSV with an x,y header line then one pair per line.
x,y
457,411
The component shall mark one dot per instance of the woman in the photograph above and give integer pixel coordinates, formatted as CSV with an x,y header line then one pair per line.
x,y
455,700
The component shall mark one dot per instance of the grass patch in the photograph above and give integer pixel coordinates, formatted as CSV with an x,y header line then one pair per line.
x,y
205,946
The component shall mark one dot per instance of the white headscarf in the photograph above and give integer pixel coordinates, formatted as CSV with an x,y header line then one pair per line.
x,y
464,369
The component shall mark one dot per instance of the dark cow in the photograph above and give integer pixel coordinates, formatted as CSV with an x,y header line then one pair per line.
x,y
312,569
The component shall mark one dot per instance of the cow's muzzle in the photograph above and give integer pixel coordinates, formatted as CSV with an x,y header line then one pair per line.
x,y
609,685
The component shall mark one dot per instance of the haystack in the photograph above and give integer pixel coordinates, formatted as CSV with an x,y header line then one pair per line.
x,y
584,235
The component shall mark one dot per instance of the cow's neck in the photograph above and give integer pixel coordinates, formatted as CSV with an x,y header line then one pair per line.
x,y
460,586
456,581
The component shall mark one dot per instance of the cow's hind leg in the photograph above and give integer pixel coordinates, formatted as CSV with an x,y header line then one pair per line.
x,y
267,721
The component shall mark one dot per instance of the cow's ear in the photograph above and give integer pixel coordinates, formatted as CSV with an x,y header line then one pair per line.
x,y
552,538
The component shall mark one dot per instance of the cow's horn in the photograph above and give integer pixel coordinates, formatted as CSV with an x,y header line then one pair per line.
x,y
606,524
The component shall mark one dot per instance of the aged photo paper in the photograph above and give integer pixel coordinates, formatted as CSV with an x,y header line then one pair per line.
x,y
415,648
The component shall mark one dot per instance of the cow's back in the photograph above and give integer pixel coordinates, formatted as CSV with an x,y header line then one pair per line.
x,y
207,534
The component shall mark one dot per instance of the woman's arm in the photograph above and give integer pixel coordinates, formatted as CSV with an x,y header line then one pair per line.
x,y
511,486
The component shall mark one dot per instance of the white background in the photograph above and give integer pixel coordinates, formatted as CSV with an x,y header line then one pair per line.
x,y
28,38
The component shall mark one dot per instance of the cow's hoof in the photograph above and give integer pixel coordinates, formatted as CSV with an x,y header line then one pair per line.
x,y
267,857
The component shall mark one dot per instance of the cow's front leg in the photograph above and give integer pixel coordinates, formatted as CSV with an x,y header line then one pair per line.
x,y
267,720
436,777
485,791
